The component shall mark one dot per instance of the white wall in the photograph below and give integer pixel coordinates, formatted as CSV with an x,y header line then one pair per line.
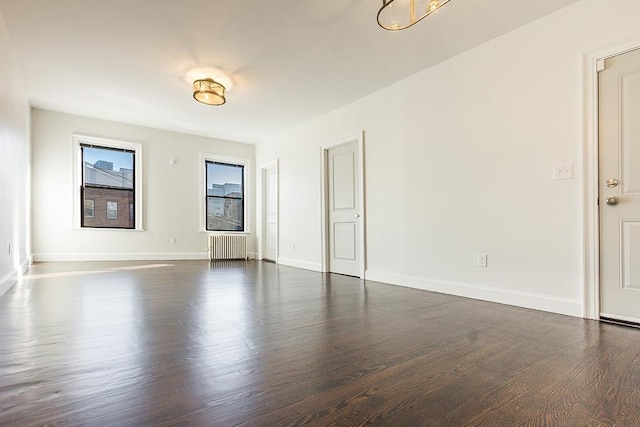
x,y
171,192
458,162
14,166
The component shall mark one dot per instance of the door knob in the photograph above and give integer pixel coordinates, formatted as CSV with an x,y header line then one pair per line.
x,y
611,201
357,215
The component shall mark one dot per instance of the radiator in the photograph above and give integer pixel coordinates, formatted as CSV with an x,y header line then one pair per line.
x,y
227,246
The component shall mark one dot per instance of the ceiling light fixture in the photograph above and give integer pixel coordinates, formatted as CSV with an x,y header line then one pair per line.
x,y
397,15
209,92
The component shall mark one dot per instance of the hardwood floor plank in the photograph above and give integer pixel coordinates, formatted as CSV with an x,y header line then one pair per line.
x,y
257,344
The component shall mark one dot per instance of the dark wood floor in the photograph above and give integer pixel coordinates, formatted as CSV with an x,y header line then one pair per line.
x,y
193,343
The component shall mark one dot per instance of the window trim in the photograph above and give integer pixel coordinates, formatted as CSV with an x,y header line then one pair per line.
x,y
246,164
78,141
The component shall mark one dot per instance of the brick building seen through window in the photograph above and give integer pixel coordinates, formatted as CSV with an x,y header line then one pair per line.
x,y
103,216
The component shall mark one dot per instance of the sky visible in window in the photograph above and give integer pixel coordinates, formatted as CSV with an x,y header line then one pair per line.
x,y
223,174
120,159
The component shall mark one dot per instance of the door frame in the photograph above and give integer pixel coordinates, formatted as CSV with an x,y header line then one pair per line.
x,y
262,203
592,63
324,191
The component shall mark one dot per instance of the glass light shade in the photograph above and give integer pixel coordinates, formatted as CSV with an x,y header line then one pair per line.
x,y
400,14
209,92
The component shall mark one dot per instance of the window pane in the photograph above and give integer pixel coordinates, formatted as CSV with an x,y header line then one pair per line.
x,y
225,197
112,210
224,180
224,214
106,212
108,167
88,208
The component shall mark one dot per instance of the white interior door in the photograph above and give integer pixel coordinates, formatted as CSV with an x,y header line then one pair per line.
x,y
344,209
270,216
619,184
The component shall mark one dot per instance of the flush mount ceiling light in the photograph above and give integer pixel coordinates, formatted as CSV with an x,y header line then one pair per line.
x,y
397,15
209,92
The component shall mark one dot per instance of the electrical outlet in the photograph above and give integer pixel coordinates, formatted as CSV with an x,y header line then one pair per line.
x,y
482,260
173,240
293,246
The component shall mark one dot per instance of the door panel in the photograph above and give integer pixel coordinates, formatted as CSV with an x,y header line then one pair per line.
x,y
630,238
630,127
619,182
344,235
344,210
271,242
344,180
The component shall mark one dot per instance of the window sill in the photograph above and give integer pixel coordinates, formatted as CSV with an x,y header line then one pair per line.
x,y
225,232
109,229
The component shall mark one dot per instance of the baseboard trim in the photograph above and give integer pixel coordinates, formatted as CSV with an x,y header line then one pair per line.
x,y
179,256
518,299
7,282
305,265
26,264
11,279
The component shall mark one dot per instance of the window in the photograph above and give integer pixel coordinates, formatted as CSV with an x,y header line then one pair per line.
x,y
108,179
89,208
112,210
225,196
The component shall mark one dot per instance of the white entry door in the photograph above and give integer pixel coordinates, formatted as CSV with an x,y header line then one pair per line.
x,y
619,183
344,209
270,213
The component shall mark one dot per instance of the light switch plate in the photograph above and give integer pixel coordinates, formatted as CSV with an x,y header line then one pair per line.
x,y
562,171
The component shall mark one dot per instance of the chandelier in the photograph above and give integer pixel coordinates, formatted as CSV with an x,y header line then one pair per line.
x,y
397,15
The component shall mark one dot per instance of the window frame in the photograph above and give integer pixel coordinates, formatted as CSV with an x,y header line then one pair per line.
x,y
78,209
246,169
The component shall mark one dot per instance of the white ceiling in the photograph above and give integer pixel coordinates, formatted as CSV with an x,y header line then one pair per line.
x,y
288,61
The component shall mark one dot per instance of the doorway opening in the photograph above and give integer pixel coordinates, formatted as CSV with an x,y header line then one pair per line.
x,y
343,207
609,255
268,250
